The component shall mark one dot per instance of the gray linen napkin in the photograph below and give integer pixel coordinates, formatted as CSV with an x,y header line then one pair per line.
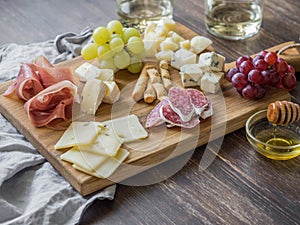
x,y
31,190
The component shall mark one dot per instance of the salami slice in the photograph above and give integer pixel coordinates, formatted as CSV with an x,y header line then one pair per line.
x,y
208,111
198,100
153,118
180,103
171,117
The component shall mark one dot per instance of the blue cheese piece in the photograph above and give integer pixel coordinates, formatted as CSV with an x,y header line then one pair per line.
x,y
193,70
211,81
188,81
213,60
182,57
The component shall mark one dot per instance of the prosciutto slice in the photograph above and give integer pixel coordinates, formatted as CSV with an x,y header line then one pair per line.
x,y
52,106
34,77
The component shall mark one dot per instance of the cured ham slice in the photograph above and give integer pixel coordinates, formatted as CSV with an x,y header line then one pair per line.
x,y
180,103
52,106
26,85
34,77
171,117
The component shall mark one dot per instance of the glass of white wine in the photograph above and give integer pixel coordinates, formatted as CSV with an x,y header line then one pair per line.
x,y
138,13
233,19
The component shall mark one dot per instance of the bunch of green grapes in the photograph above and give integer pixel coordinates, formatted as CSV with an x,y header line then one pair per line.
x,y
116,47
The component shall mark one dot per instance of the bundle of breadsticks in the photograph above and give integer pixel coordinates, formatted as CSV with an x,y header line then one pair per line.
x,y
152,83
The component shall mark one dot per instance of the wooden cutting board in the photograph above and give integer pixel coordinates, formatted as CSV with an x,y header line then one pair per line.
x,y
161,145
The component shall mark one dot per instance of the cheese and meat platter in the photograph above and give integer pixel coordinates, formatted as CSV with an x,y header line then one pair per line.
x,y
146,139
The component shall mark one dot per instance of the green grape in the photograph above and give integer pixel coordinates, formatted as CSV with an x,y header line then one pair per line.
x,y
115,27
136,65
101,35
107,64
122,59
135,45
89,51
104,52
116,44
130,32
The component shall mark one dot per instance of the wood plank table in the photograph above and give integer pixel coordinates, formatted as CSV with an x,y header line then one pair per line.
x,y
240,186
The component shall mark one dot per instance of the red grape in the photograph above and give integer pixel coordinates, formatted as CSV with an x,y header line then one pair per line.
x,y
289,81
260,64
261,91
250,91
291,69
242,59
271,58
274,77
257,58
230,73
263,53
281,66
239,80
267,77
246,67
255,76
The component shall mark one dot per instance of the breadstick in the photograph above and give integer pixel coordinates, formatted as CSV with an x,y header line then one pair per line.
x,y
156,82
141,84
165,75
149,94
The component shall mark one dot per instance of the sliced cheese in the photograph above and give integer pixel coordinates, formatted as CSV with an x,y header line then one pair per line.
x,y
112,93
106,143
92,95
128,128
106,75
78,133
86,160
108,167
87,71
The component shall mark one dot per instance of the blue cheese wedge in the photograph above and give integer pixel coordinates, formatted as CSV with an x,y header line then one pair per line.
x,y
211,81
182,57
193,70
213,60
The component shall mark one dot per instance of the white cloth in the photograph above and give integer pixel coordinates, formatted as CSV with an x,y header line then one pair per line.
x,y
31,190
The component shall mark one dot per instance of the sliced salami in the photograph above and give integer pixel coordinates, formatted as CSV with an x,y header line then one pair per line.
x,y
180,103
208,111
171,117
198,100
153,118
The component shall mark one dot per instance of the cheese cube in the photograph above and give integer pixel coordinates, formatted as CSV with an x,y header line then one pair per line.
x,y
199,43
193,70
187,80
92,95
177,38
213,60
87,71
211,81
164,55
186,44
112,93
168,44
169,24
182,57
150,48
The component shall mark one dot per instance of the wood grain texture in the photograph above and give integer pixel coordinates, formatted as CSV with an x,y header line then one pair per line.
x,y
240,186
161,145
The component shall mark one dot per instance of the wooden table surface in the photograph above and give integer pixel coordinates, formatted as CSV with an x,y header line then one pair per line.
x,y
240,186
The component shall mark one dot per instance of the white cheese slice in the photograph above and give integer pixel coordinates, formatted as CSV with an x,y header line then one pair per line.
x,y
92,95
108,167
78,133
128,128
213,60
106,75
106,143
112,93
86,160
164,55
211,81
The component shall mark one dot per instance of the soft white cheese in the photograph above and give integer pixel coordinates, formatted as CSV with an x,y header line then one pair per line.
x,y
211,81
112,93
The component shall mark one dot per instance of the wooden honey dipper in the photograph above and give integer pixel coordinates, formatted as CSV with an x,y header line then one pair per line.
x,y
283,112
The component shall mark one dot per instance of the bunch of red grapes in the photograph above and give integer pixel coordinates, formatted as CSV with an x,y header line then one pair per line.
x,y
252,76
